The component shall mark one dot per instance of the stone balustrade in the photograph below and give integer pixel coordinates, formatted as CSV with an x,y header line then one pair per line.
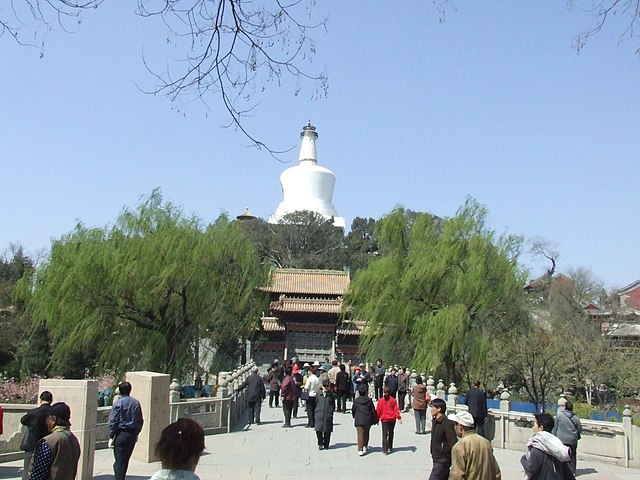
x,y
613,442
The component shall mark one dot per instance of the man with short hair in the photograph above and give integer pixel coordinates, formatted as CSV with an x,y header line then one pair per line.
x,y
568,429
443,438
378,378
35,421
56,456
125,423
472,456
256,393
477,403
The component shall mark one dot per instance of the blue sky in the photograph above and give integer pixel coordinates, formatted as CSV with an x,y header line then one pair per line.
x,y
492,103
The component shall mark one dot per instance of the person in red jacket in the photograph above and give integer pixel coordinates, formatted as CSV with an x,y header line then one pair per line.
x,y
388,412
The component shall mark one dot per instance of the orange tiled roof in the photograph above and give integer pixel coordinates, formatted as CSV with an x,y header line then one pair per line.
x,y
306,305
315,282
271,324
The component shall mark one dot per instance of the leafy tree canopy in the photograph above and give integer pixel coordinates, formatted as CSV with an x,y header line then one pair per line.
x,y
144,292
437,290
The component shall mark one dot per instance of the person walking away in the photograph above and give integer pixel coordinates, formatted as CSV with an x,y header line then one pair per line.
x,y
472,456
391,382
388,413
324,415
256,393
443,438
546,458
364,415
332,373
274,388
569,430
56,455
378,378
343,388
288,392
403,388
179,449
125,423
420,402
298,382
35,421
477,403
311,386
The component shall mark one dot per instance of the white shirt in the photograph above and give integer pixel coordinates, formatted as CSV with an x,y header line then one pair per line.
x,y
312,384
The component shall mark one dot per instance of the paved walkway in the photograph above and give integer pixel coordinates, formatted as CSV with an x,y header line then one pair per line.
x,y
270,452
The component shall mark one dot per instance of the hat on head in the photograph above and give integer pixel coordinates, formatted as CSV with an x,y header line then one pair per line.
x,y
60,410
275,360
464,418
325,382
361,364
306,365
316,363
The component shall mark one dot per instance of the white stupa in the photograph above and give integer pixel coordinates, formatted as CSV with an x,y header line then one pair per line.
x,y
308,186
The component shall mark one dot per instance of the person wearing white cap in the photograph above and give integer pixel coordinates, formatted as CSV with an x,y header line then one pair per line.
x,y
472,456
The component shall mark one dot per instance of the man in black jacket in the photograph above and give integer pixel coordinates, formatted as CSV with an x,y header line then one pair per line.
x,y
255,394
443,438
477,403
37,428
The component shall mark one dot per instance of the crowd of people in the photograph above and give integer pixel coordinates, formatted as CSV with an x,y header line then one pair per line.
x,y
379,396
457,444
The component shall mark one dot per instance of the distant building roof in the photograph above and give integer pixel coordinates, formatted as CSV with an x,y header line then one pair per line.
x,y
309,282
271,324
629,288
311,305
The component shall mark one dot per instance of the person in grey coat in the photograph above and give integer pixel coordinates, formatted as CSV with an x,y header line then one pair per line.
x,y
568,429
324,415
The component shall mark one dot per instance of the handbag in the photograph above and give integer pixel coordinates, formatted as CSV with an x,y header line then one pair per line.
x,y
305,395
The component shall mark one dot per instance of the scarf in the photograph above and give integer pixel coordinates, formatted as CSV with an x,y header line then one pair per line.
x,y
549,444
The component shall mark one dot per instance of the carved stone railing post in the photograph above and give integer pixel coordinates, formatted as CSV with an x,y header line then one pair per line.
x,y
627,425
431,390
452,398
440,389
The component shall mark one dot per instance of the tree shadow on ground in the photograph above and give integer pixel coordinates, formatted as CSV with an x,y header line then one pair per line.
x,y
111,477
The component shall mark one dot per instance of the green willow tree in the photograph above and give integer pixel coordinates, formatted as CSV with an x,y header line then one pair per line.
x,y
438,291
147,291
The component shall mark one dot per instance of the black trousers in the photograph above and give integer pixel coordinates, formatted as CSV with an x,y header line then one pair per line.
x,y
254,411
287,408
387,435
324,438
311,411
342,401
401,397
122,449
479,423
273,395
440,471
378,382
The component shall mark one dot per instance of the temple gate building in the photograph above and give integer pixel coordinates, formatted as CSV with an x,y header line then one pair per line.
x,y
303,319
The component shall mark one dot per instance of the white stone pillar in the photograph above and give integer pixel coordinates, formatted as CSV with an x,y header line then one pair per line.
x,y
150,389
82,398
